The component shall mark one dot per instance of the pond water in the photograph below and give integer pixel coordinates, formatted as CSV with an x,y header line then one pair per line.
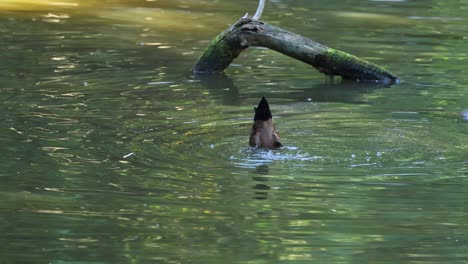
x,y
114,152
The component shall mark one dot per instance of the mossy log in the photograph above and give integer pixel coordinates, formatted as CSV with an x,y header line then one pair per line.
x,y
249,32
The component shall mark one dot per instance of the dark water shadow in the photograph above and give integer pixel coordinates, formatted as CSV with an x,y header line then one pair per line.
x,y
261,188
341,91
220,86
224,88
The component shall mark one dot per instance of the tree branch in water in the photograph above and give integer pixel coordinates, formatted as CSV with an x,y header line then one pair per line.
x,y
249,32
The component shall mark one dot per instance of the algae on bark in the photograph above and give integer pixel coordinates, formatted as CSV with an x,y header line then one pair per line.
x,y
246,32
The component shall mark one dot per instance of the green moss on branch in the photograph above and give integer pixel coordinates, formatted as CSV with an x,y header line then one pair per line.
x,y
223,49
336,62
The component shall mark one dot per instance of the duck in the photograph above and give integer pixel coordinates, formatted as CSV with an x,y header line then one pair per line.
x,y
263,133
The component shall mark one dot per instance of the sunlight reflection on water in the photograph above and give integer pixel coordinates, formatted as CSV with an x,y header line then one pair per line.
x,y
110,137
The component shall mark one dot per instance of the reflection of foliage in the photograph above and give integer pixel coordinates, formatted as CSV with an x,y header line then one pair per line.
x,y
389,186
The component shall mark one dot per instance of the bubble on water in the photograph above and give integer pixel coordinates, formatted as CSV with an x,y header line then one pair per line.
x,y
290,147
464,114
353,155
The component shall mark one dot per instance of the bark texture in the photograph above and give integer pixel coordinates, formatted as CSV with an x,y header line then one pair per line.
x,y
248,32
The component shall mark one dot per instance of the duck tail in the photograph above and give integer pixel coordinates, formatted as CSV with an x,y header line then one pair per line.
x,y
262,111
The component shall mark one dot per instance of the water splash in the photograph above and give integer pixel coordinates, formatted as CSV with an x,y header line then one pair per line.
x,y
252,157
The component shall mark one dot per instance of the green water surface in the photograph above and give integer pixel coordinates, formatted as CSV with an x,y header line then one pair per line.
x,y
112,151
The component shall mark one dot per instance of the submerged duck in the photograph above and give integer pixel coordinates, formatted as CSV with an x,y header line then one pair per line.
x,y
263,134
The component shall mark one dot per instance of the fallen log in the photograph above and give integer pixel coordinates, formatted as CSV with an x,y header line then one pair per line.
x,y
247,32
